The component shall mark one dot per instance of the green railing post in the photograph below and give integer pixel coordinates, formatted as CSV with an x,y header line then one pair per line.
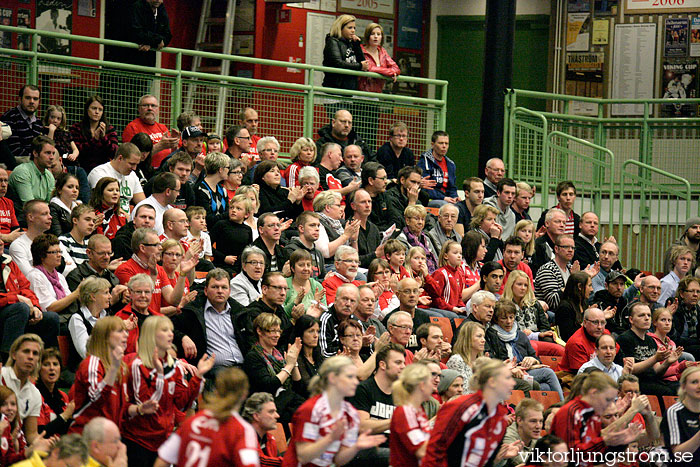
x,y
442,115
34,67
177,92
309,106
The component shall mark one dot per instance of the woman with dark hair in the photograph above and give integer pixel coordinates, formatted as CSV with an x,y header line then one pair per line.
x,y
63,199
686,323
47,283
96,139
307,328
269,370
56,409
105,199
574,301
285,202
343,50
350,333
473,252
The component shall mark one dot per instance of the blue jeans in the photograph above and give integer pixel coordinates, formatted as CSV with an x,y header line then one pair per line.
x,y
15,322
442,313
547,379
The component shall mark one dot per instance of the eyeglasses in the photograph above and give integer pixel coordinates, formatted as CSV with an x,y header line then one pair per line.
x,y
279,287
403,328
150,244
243,137
567,247
235,172
273,331
256,263
399,136
55,252
381,178
353,336
596,323
350,261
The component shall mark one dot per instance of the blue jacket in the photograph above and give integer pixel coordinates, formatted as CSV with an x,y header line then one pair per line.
x,y
431,169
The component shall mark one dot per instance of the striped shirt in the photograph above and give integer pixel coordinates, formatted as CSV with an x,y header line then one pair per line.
x,y
24,129
72,250
221,339
549,283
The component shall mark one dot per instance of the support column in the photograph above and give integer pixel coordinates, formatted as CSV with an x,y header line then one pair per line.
x,y
498,76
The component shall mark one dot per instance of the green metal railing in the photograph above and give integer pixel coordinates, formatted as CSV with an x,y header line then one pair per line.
x,y
652,218
647,204
287,110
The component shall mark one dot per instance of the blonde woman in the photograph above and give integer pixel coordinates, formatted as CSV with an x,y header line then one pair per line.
x,y
484,222
582,431
156,389
325,429
252,194
525,231
469,346
530,316
97,390
218,430
343,50
410,429
679,425
474,425
303,154
94,299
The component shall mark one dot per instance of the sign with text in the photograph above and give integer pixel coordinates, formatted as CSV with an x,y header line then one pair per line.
x,y
381,8
661,6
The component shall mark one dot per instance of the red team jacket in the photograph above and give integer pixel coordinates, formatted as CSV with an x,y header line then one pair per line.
x,y
577,424
93,396
408,431
171,390
449,283
465,433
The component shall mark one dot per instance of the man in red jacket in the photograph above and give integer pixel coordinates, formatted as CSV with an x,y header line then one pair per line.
x,y
19,308
581,345
260,411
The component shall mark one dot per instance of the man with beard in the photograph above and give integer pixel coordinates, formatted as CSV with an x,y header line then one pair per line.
x,y
690,238
24,123
347,261
147,122
340,132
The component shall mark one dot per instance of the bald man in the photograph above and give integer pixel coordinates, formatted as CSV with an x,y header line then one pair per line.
x,y
340,131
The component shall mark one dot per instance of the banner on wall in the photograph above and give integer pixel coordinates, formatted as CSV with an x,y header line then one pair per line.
x,y
584,77
695,37
661,6
578,32
24,20
410,24
55,16
676,37
679,81
6,20
380,8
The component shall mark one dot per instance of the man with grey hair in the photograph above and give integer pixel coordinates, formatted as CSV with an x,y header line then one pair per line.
x,y
261,412
445,228
408,291
347,260
104,443
483,303
495,170
555,223
147,122
245,287
352,164
69,451
347,298
147,250
582,344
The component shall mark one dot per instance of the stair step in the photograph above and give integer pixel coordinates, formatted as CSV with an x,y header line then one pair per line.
x,y
211,46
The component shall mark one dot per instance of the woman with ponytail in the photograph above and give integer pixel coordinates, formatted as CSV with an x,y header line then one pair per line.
x,y
217,435
578,422
409,428
473,426
326,427
680,423
156,389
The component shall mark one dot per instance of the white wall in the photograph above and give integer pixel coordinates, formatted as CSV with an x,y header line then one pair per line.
x,y
472,8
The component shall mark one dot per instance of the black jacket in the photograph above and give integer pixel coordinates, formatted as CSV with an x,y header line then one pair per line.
x,y
387,157
604,299
397,202
191,323
277,201
214,202
317,261
326,136
585,252
345,54
367,243
679,319
60,220
565,318
231,239
147,28
121,243
279,253
542,247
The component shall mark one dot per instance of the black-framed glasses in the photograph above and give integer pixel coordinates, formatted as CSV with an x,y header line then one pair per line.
x,y
150,244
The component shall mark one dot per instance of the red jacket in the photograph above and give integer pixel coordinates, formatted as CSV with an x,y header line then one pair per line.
x,y
464,429
15,284
332,282
270,457
126,313
449,283
577,424
8,454
578,351
386,66
171,390
131,268
521,267
93,397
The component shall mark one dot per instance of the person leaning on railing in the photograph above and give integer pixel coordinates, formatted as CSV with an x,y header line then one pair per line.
x,y
343,50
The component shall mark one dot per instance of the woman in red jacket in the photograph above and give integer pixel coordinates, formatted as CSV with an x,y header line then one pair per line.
x,y
378,59
156,388
578,422
105,200
410,430
97,390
